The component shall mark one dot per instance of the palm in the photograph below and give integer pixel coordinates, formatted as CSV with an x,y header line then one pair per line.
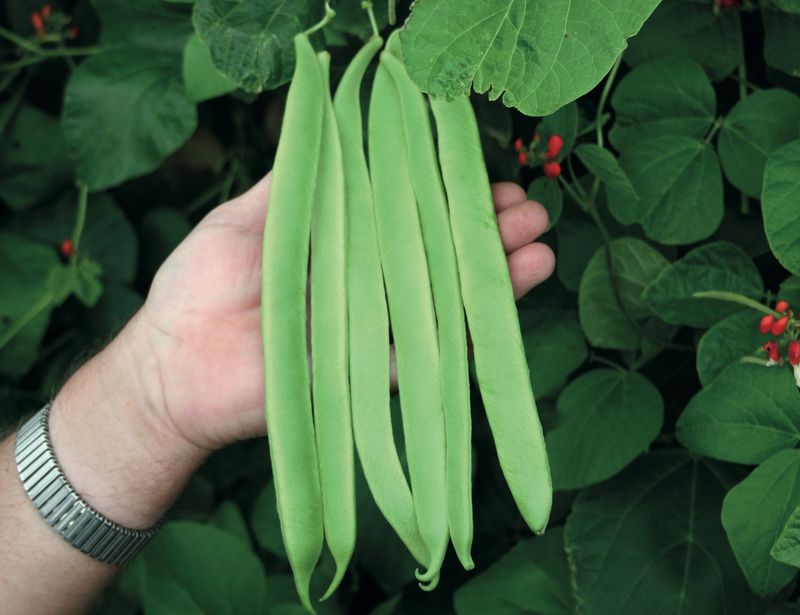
x,y
204,309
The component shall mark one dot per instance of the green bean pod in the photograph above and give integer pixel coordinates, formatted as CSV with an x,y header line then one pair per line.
x,y
412,316
500,363
369,319
287,229
443,268
329,347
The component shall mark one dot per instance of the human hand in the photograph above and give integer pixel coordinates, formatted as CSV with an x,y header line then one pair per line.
x,y
202,318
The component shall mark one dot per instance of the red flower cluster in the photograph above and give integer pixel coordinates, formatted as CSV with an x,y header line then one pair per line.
x,y
778,327
550,165
38,20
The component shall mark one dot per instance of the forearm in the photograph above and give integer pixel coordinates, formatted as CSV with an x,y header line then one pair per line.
x,y
119,453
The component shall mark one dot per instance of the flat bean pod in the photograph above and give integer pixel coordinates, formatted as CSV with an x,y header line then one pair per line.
x,y
500,362
443,268
329,374
287,230
412,316
369,319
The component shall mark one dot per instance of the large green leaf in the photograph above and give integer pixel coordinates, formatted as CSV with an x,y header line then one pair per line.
x,y
754,128
679,186
650,541
204,568
125,110
746,415
605,324
606,418
554,346
779,201
787,546
537,55
623,202
578,241
34,163
202,79
754,513
154,25
690,29
782,40
718,266
547,192
265,522
251,40
531,578
791,6
667,96
729,340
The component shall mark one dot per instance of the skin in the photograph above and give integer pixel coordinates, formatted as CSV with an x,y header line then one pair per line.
x,y
369,321
500,362
182,379
331,387
443,268
293,450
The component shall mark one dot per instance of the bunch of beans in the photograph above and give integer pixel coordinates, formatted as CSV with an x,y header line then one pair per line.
x,y
404,239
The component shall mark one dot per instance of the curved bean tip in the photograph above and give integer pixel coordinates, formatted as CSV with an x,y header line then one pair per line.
x,y
430,586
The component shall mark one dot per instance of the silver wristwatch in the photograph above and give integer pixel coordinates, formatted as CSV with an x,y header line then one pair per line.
x,y
66,512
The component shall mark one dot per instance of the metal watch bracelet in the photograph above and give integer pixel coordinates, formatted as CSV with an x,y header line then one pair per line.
x,y
63,509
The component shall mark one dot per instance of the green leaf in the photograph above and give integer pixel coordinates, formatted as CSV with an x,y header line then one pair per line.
x,y
578,241
531,578
34,164
786,549
746,415
547,192
108,236
782,40
114,309
265,522
162,230
679,186
779,205
124,112
204,568
202,79
729,340
690,29
650,541
554,346
86,284
228,517
251,40
634,263
718,266
538,56
667,96
754,128
26,270
791,6
623,202
152,25
754,513
606,418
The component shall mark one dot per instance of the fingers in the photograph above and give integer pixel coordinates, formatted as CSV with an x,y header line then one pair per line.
x,y
530,265
506,194
521,224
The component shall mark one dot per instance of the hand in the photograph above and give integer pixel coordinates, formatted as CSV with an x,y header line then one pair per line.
x,y
202,323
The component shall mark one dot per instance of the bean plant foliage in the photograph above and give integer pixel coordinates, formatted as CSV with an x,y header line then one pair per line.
x,y
674,202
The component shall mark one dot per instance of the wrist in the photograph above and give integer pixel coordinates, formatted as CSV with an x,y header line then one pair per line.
x,y
113,436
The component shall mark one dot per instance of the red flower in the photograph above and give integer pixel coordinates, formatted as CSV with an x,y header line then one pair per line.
x,y
523,157
780,325
67,248
552,169
518,145
765,326
554,145
46,12
772,350
794,352
782,306
38,24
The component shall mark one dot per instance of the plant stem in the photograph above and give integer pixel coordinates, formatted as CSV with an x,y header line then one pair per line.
x,y
38,50
603,361
722,295
367,6
392,13
714,129
27,316
754,361
80,220
604,97
329,14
